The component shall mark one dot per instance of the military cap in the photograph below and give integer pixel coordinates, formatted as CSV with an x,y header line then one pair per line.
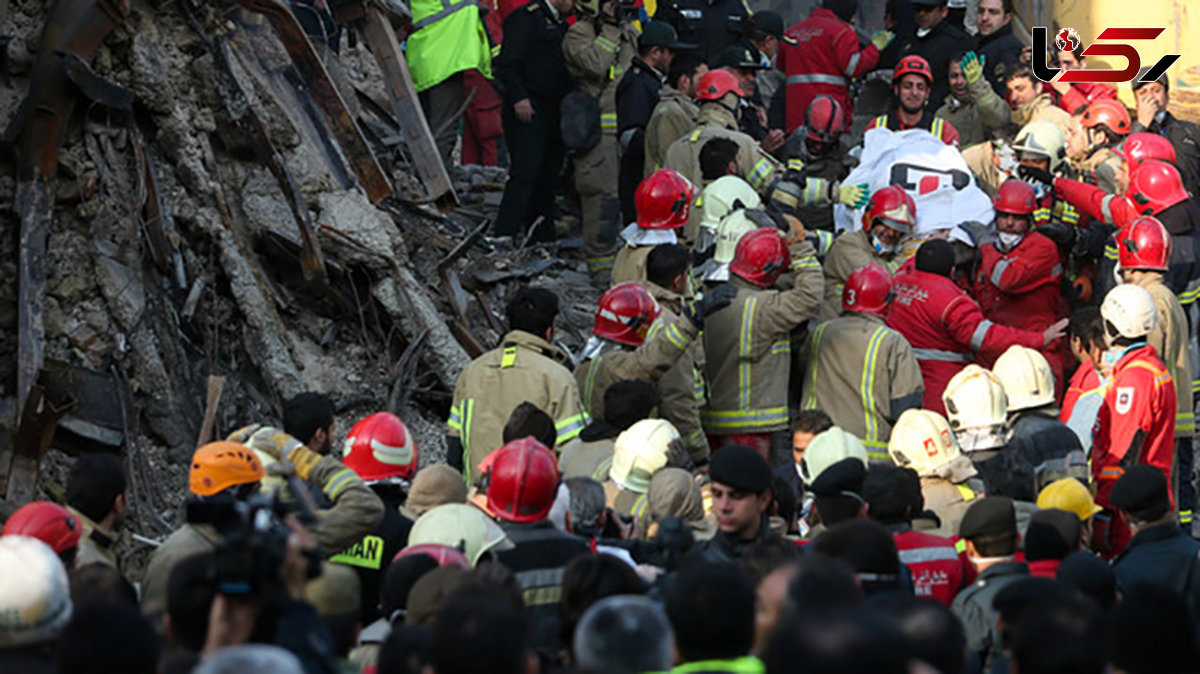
x,y
1142,492
843,476
989,516
741,468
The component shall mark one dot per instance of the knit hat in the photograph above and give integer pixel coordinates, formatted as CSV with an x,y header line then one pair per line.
x,y
1052,534
742,468
936,256
433,486
336,592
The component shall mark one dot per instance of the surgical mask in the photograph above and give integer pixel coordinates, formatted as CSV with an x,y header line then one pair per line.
x,y
883,248
1009,241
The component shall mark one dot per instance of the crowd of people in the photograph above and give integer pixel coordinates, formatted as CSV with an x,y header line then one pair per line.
x,y
788,445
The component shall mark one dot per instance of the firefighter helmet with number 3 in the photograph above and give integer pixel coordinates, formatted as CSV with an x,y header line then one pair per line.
x,y
868,291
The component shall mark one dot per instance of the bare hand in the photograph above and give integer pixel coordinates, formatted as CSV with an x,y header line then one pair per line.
x,y
1055,331
230,622
1147,108
524,110
1027,56
773,140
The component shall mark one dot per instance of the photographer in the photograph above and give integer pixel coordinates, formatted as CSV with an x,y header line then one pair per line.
x,y
226,473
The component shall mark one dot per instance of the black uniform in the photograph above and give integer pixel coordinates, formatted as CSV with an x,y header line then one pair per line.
x,y
1003,52
713,25
538,560
938,47
1049,445
637,94
531,65
1185,136
371,556
1163,555
723,549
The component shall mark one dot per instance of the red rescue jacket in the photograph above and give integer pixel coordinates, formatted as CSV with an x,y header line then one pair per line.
x,y
1092,201
825,60
939,569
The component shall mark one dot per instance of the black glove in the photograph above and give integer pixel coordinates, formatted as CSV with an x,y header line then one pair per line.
x,y
1061,234
1041,175
717,298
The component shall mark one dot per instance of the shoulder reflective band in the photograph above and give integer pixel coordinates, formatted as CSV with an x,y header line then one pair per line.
x,y
881,122
608,121
601,472
570,427
817,78
852,64
939,354
758,175
606,44
447,9
510,355
589,384
938,126
365,554
796,165
980,334
943,553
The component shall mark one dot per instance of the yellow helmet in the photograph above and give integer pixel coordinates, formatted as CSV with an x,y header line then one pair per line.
x,y
977,409
922,440
723,196
460,526
1068,494
1026,376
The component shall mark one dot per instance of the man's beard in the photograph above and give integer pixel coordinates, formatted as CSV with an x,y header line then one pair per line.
x,y
911,111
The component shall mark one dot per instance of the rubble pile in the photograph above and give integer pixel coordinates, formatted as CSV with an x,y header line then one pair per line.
x,y
212,250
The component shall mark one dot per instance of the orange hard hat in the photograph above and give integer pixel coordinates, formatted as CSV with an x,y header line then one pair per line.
x,y
218,466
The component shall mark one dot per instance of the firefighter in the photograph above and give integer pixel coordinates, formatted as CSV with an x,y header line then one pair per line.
x,y
817,149
890,215
51,524
729,232
861,372
527,368
1041,144
977,410
1019,279
1048,444
945,326
1144,249
590,455
722,196
747,346
1137,422
1029,104
676,113
664,203
720,98
380,450
826,57
922,440
668,271
639,452
598,50
1106,123
911,83
619,347
972,106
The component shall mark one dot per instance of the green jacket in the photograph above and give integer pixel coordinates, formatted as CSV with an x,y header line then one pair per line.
x,y
448,37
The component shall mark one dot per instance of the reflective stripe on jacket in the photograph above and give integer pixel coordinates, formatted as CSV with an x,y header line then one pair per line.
x,y
448,37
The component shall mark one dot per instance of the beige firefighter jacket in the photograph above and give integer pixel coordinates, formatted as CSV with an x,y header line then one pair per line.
x,y
682,387
949,501
850,252
758,168
1102,163
96,544
586,459
674,117
1170,339
863,374
524,367
630,264
977,117
648,362
747,347
629,503
597,60
1043,108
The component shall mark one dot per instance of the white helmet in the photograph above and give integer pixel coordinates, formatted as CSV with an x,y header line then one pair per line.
x,y
977,409
1026,376
724,195
642,450
1042,138
922,439
733,227
35,600
460,526
1130,309
827,448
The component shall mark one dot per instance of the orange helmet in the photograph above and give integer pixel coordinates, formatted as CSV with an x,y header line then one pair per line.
x,y
894,206
761,256
717,83
1154,187
522,481
48,522
625,313
868,291
912,65
218,466
664,200
1109,114
380,447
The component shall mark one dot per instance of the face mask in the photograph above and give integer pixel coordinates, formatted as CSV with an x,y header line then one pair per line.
x,y
1009,241
883,248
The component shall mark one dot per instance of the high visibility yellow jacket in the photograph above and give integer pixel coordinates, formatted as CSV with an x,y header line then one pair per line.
x,y
674,116
850,252
524,367
863,374
597,60
648,362
1170,339
448,37
747,347
759,168
682,387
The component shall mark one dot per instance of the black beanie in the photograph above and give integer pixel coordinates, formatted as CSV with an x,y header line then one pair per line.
x,y
936,256
844,9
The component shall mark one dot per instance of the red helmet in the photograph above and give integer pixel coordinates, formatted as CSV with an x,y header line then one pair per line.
x,y
1154,187
1144,244
894,206
824,119
761,256
1016,197
868,290
48,522
380,447
1142,146
912,65
1109,114
522,482
716,83
663,200
625,313
442,554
